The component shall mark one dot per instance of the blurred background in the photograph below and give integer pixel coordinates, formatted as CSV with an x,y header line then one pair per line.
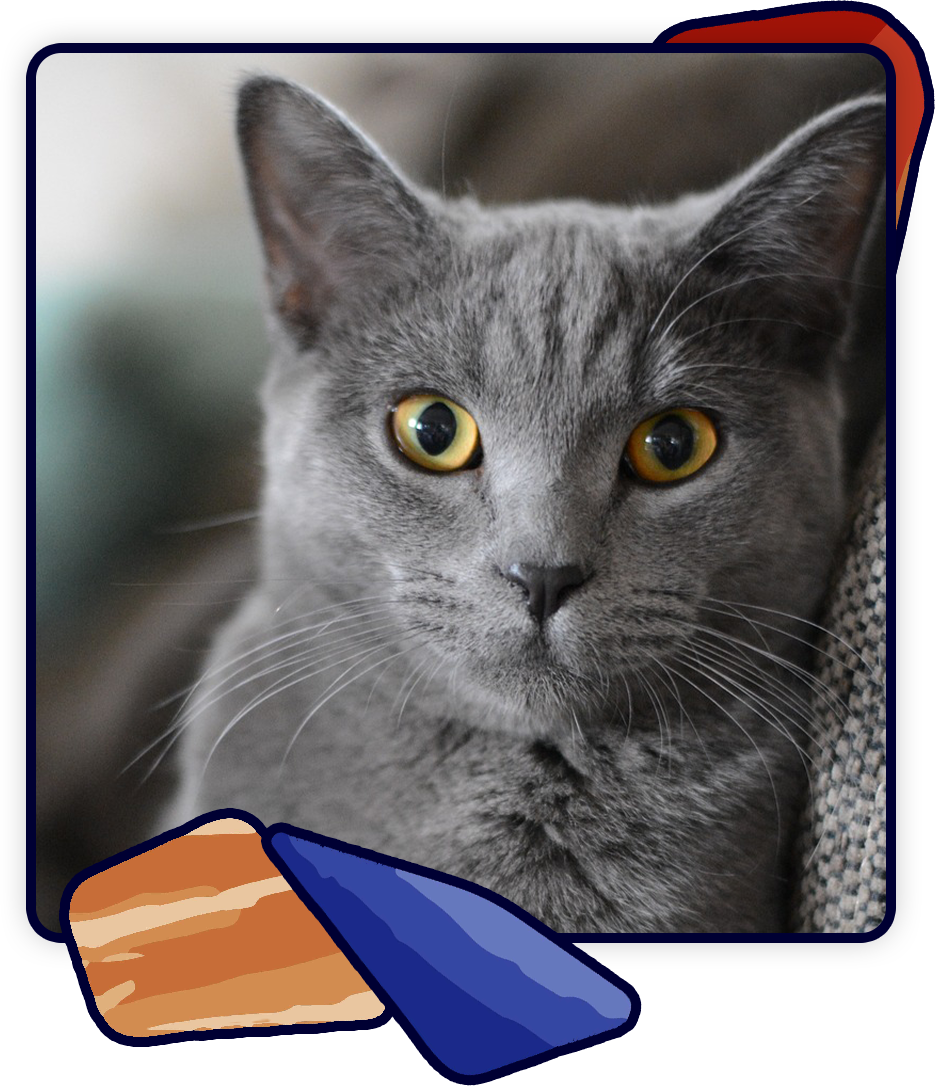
x,y
150,338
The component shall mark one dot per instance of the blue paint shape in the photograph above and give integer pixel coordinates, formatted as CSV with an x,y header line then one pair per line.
x,y
481,987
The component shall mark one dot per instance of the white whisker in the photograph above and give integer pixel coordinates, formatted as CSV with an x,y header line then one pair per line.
x,y
324,700
740,727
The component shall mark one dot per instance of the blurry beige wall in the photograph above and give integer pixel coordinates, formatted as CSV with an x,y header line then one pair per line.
x,y
136,150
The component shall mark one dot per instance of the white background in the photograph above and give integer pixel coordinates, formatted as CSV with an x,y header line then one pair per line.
x,y
755,1031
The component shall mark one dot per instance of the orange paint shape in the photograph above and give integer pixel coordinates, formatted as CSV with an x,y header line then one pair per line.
x,y
203,933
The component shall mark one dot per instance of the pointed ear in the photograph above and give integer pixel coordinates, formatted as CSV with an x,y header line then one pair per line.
x,y
337,222
790,231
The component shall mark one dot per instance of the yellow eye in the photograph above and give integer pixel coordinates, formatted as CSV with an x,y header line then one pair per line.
x,y
672,445
436,433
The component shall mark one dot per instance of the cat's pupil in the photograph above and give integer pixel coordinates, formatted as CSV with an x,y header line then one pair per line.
x,y
435,428
672,441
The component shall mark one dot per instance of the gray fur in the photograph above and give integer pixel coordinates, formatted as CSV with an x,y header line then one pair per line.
x,y
635,767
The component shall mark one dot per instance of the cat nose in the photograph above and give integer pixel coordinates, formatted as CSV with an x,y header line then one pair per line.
x,y
546,587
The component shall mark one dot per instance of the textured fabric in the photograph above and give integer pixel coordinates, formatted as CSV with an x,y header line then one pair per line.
x,y
841,853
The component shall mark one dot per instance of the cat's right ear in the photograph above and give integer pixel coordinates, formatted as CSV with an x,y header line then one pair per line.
x,y
338,223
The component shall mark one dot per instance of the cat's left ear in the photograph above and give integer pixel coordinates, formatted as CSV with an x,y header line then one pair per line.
x,y
792,228
339,225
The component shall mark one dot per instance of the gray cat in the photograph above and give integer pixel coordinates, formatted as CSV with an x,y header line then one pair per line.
x,y
550,493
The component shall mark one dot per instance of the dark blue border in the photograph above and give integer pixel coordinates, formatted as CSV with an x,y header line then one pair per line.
x,y
894,249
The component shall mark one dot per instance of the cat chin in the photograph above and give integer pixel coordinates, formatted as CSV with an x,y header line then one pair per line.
x,y
512,700
532,718
526,683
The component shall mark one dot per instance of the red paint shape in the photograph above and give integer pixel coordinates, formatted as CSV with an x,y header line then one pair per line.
x,y
817,27
842,27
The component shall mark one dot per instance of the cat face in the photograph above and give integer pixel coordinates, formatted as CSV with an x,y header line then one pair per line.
x,y
567,442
